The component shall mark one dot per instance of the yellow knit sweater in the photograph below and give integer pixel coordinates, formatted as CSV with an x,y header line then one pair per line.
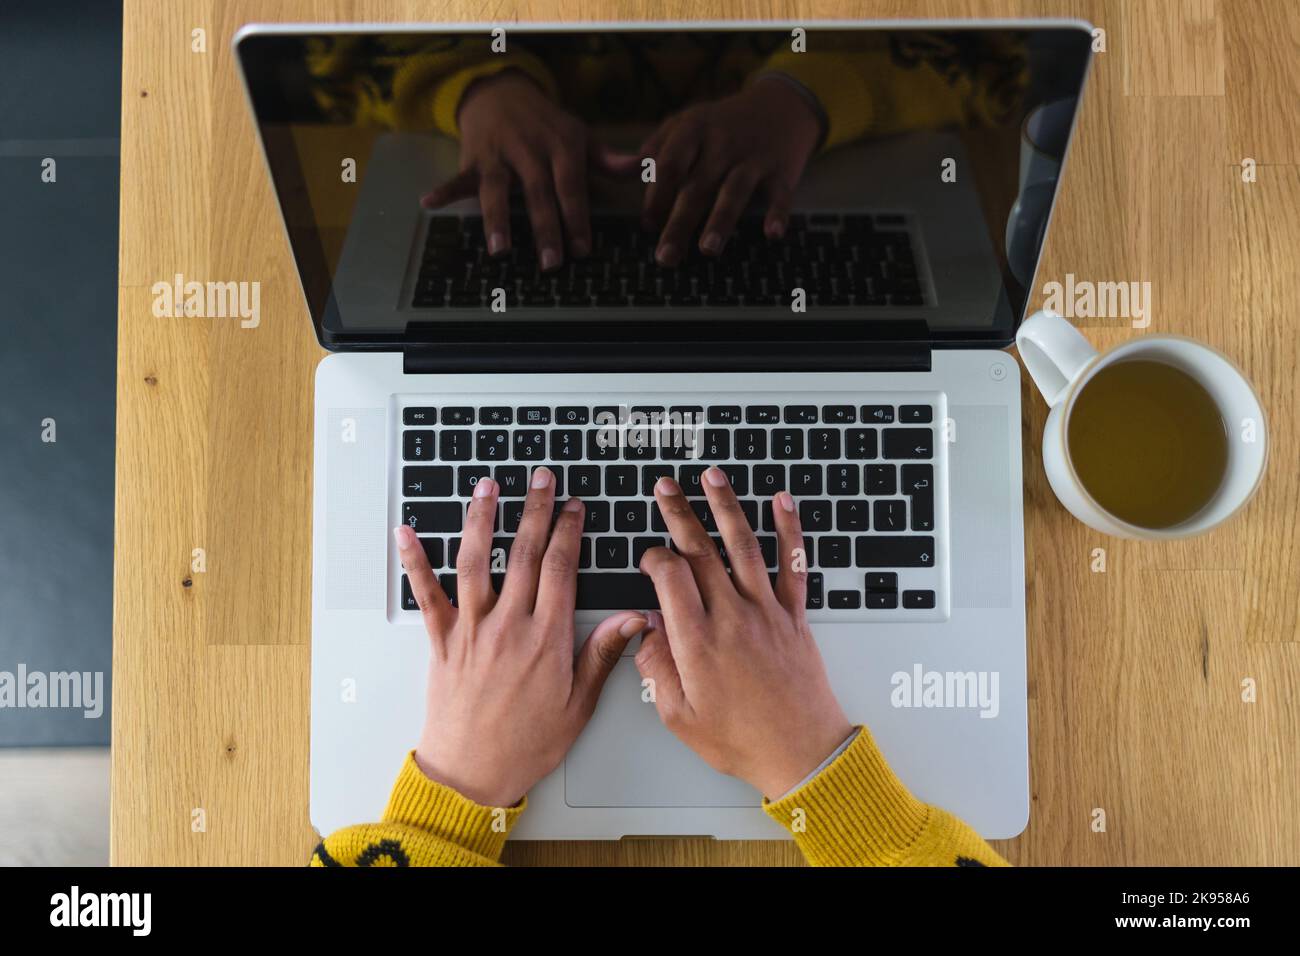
x,y
855,812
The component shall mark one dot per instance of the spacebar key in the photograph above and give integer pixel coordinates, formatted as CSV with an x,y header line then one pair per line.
x,y
615,592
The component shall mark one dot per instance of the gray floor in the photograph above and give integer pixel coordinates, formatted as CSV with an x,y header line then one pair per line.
x,y
54,806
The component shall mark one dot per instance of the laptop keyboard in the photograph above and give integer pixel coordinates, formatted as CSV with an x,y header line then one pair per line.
x,y
866,479
855,259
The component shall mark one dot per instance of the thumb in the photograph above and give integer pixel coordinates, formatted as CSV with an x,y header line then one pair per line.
x,y
656,664
599,656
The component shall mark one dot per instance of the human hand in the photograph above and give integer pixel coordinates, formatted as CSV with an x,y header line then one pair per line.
x,y
511,131
506,698
711,158
737,674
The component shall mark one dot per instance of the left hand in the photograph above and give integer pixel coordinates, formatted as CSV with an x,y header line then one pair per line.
x,y
506,697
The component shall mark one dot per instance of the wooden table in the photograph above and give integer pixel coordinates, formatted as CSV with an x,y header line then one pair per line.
x,y
1136,672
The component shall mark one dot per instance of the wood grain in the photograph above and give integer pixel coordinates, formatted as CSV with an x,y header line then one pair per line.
x,y
1135,673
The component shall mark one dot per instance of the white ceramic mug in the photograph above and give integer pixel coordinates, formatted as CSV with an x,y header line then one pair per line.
x,y
1062,362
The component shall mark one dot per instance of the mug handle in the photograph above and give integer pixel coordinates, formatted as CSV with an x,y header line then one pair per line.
x,y
1054,353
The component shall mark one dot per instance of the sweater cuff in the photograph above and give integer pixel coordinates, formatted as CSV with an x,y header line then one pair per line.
x,y
427,805
853,813
824,764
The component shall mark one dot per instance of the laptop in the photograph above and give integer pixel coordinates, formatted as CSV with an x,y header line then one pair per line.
x,y
854,358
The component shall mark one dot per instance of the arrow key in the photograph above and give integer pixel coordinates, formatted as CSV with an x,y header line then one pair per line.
x,y
882,581
918,599
882,600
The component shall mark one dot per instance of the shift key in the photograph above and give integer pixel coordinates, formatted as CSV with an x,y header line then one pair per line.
x,y
428,517
895,551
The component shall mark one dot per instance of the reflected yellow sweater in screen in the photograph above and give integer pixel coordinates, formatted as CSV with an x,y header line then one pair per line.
x,y
865,85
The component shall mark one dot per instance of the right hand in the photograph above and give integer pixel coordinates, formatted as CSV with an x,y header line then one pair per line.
x,y
511,131
737,674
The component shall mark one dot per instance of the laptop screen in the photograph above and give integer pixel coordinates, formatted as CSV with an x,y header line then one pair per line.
x,y
629,174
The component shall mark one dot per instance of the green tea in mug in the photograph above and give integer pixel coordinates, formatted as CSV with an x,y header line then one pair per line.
x,y
1148,443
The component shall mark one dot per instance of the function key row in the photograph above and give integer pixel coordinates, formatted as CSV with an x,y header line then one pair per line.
x,y
492,415
813,415
716,414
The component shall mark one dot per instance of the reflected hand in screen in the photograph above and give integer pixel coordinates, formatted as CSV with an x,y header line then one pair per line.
x,y
712,158
511,131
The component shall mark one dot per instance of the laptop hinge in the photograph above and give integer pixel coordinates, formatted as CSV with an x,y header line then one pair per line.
x,y
668,346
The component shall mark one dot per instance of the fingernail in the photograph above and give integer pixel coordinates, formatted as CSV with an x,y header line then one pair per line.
x,y
715,476
666,254
404,536
775,230
573,504
496,242
787,502
633,626
655,622
666,486
542,477
550,259
484,488
711,242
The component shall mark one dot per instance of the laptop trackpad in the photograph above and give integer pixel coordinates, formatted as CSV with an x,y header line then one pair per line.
x,y
627,758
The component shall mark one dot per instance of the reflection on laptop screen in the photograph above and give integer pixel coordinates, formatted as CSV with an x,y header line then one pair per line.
x,y
631,174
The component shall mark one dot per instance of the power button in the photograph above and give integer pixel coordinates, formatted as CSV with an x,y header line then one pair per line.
x,y
997,371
